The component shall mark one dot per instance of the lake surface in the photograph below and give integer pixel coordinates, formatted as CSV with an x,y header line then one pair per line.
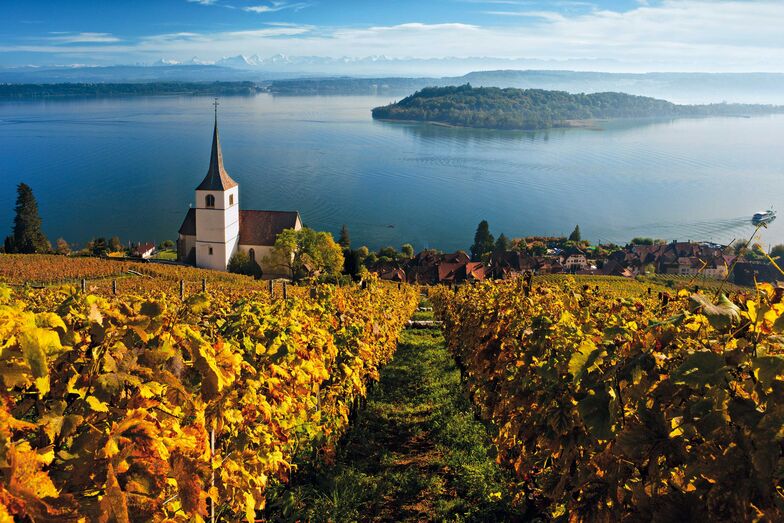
x,y
128,167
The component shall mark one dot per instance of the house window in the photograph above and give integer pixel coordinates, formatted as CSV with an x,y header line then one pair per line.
x,y
209,201
210,250
231,199
252,254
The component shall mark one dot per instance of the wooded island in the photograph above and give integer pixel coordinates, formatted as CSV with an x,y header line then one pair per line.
x,y
528,109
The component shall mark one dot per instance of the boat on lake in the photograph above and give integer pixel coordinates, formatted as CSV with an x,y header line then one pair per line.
x,y
763,217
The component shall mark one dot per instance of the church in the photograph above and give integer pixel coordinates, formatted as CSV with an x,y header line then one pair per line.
x,y
216,228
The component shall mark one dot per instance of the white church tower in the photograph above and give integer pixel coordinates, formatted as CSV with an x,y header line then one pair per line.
x,y
217,212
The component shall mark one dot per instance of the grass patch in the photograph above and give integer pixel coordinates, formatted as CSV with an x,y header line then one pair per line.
x,y
416,452
166,255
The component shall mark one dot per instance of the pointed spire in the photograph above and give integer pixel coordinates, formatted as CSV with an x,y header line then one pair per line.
x,y
217,178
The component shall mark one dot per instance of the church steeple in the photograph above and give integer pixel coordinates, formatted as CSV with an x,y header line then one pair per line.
x,y
217,178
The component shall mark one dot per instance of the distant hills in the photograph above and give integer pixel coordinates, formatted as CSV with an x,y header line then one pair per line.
x,y
12,91
510,108
285,75
764,88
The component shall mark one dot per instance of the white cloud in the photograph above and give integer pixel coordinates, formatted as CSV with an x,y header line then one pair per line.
x,y
203,2
82,38
671,35
273,7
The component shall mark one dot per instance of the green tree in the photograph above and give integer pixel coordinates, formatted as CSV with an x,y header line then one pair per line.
x,y
407,250
167,244
307,253
370,260
642,241
27,234
99,246
345,240
240,263
502,244
483,241
387,254
575,236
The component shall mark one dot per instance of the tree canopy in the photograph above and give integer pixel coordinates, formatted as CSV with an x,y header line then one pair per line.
x,y
495,108
306,253
241,263
483,241
27,237
575,236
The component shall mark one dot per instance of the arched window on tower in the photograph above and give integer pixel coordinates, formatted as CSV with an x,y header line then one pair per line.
x,y
209,201
231,199
252,254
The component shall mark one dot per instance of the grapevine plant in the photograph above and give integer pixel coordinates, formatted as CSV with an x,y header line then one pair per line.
x,y
149,408
616,409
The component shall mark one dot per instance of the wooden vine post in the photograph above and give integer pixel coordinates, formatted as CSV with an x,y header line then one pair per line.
x,y
212,472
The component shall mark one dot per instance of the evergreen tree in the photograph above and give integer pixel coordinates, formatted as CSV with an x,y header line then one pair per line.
x,y
503,244
8,245
344,241
575,236
483,241
407,250
27,237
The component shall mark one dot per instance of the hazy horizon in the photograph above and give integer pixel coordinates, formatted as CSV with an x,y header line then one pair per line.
x,y
604,35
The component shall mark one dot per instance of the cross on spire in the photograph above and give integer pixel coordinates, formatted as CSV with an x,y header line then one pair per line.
x,y
216,104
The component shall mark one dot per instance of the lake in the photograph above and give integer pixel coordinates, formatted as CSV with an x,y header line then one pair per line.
x,y
129,166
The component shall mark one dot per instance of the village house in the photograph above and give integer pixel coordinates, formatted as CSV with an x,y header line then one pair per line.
x,y
430,267
216,228
574,260
143,250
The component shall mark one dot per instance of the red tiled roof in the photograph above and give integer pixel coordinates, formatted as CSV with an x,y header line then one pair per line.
x,y
263,227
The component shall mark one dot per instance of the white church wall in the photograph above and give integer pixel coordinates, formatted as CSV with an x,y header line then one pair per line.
x,y
217,227
211,255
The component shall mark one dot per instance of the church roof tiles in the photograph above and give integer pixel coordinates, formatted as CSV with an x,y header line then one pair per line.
x,y
263,227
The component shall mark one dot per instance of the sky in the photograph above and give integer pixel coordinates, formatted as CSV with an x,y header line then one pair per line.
x,y
621,35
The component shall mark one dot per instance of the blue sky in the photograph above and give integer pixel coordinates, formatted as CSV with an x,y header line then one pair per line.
x,y
720,35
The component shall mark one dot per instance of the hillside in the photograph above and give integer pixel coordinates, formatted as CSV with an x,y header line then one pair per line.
x,y
638,408
604,398
127,404
494,108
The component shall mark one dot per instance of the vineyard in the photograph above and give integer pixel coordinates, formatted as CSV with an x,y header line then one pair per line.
x,y
105,276
148,407
637,408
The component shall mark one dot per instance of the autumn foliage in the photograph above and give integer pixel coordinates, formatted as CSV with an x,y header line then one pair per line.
x,y
618,409
108,405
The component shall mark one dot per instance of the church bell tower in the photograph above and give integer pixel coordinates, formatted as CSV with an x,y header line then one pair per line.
x,y
217,211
